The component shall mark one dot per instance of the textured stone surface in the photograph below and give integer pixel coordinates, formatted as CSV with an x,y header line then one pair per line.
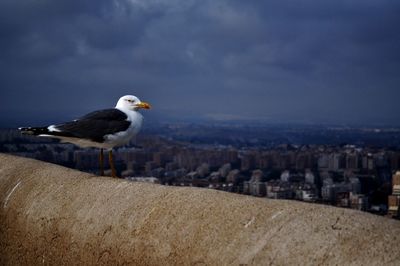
x,y
58,216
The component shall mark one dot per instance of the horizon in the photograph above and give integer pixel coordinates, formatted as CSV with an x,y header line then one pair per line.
x,y
155,121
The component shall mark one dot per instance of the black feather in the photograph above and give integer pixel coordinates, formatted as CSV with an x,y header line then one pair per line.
x,y
93,126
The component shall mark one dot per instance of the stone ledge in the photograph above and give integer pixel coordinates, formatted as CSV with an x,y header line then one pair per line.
x,y
54,215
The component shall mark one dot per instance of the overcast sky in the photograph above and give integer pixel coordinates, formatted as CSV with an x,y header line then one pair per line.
x,y
272,61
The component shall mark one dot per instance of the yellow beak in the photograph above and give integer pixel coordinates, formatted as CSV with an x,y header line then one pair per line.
x,y
143,105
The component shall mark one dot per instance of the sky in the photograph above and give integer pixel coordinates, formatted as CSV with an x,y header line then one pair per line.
x,y
273,61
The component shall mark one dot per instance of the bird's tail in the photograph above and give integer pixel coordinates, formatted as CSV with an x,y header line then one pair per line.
x,y
33,130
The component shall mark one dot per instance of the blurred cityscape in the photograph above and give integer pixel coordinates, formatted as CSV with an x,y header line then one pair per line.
x,y
342,166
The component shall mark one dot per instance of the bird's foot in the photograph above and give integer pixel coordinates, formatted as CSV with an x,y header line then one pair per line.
x,y
114,175
101,162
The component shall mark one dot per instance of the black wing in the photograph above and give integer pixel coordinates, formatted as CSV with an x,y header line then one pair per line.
x,y
96,125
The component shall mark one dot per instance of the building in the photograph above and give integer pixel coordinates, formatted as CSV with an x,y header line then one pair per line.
x,y
258,189
277,189
309,177
323,161
352,161
358,202
336,162
247,162
394,199
255,186
285,176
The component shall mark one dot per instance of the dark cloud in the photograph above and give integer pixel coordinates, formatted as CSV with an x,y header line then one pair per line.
x,y
306,61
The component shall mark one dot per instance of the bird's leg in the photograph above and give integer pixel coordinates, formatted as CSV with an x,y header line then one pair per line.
x,y
111,160
101,162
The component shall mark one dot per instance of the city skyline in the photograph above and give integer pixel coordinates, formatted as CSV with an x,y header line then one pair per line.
x,y
269,61
350,176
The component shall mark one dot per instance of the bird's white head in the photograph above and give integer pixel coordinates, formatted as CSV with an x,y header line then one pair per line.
x,y
132,103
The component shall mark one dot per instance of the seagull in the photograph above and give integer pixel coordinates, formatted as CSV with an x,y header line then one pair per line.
x,y
103,129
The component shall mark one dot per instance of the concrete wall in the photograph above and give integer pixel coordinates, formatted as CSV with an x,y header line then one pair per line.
x,y
58,216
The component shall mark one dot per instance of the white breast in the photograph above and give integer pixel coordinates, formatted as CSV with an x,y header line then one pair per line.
x,y
123,137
